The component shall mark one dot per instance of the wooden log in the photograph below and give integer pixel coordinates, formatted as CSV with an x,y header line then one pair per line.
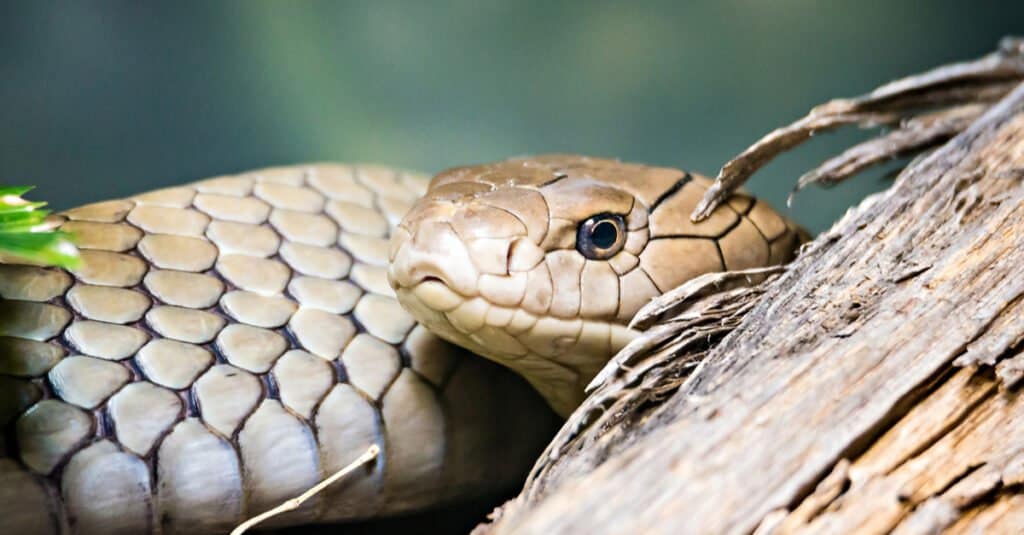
x,y
871,388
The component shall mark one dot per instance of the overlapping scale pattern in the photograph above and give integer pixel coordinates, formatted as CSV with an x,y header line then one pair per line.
x,y
227,344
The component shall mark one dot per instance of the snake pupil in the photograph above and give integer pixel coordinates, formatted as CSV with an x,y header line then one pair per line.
x,y
601,236
605,234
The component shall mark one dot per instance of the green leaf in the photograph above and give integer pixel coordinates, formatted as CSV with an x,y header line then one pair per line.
x,y
27,208
24,234
16,191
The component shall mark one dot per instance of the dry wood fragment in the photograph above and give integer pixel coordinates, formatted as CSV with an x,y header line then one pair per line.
x,y
910,137
964,87
870,388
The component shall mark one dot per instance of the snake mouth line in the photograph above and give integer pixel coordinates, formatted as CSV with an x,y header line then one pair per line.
x,y
504,332
470,321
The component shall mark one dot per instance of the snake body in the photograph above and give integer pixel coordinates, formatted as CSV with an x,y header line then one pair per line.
x,y
227,344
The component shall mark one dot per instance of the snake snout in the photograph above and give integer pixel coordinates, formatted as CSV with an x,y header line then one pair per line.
x,y
463,243
432,253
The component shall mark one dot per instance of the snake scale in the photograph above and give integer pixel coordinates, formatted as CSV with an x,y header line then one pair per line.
x,y
227,344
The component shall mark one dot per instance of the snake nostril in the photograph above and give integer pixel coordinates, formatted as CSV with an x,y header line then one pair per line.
x,y
424,274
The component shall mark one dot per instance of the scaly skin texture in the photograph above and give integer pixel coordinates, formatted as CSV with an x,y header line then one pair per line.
x,y
228,344
490,258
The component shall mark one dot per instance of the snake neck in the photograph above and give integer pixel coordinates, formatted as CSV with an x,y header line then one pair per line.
x,y
557,356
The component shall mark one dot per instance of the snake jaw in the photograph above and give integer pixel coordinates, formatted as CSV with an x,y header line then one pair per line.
x,y
557,356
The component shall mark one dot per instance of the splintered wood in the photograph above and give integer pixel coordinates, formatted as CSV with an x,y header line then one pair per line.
x,y
924,111
870,388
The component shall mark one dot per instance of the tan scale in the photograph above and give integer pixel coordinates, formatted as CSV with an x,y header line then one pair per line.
x,y
190,290
253,273
34,358
229,343
244,238
171,363
144,413
303,379
320,262
259,310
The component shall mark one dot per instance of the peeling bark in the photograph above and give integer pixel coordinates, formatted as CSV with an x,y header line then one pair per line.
x,y
869,388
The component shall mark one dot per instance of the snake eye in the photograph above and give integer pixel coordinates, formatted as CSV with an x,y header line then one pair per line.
x,y
601,236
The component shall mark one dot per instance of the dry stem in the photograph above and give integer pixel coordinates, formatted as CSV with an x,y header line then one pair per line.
x,y
369,455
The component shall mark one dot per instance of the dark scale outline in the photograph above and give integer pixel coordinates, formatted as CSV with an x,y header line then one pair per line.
x,y
559,176
726,230
785,231
675,188
103,426
761,232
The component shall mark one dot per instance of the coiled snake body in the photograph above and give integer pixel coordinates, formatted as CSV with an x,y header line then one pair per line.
x,y
227,344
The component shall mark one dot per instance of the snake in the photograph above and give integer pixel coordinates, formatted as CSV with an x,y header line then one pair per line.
x,y
227,344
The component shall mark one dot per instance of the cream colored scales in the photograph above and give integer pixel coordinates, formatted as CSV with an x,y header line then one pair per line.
x,y
228,344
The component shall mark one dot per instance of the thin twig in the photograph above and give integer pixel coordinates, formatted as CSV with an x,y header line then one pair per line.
x,y
912,136
369,455
982,81
737,170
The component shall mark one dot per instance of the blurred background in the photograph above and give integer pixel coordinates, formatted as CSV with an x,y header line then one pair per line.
x,y
103,99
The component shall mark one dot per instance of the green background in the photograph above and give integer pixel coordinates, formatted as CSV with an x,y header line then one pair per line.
x,y
102,99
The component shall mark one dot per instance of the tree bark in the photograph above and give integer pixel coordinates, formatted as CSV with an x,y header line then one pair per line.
x,y
870,388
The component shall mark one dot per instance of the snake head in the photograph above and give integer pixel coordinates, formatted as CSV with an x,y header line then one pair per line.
x,y
539,263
